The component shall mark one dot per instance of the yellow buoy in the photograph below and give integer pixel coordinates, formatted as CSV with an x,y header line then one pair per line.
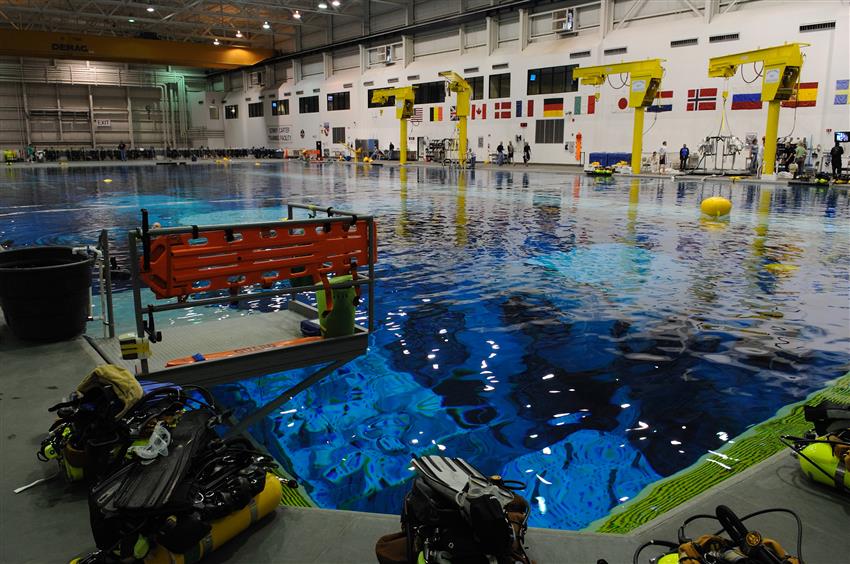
x,y
107,180
716,206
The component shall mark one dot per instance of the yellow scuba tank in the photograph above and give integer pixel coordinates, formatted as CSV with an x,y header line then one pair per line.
x,y
834,471
225,528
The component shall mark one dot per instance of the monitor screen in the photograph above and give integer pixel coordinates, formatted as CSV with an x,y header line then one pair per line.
x,y
842,136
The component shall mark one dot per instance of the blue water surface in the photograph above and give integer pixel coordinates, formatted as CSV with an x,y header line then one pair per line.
x,y
586,337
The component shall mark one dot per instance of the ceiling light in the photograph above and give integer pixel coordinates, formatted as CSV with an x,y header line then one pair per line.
x,y
216,42
131,20
150,9
266,25
238,33
323,5
335,3
296,14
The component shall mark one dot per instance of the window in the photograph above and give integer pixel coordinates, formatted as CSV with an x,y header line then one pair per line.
x,y
339,101
231,112
552,80
388,104
477,85
213,112
549,131
255,110
500,85
430,92
308,105
338,134
280,107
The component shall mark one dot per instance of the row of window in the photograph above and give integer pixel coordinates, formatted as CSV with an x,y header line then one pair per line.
x,y
550,80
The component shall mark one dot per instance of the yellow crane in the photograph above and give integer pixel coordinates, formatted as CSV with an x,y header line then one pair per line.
x,y
780,72
464,93
645,80
404,99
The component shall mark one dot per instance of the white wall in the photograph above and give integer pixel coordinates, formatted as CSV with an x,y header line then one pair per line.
x,y
759,23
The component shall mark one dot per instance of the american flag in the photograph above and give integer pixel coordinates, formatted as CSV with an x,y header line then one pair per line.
x,y
702,99
417,116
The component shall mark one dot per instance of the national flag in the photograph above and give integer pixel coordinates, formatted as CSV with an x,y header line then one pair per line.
x,y
700,99
663,102
746,101
453,113
417,116
804,96
436,113
623,104
553,107
841,90
479,111
503,110
529,107
584,105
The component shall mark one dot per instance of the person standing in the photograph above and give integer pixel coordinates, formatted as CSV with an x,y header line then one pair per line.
x,y
684,153
835,155
754,157
800,158
122,150
510,152
392,148
760,164
526,153
662,157
653,161
500,154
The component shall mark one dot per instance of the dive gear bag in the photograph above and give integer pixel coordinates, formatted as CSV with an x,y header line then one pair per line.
x,y
453,513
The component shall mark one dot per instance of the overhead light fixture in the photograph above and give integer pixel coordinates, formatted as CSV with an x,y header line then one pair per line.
x,y
296,14
238,33
131,20
266,25
150,9
216,42
323,5
336,3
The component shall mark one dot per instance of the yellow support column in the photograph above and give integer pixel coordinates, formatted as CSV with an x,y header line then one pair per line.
x,y
461,130
770,133
402,143
637,139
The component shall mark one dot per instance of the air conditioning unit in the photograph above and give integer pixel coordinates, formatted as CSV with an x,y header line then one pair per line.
x,y
255,78
563,22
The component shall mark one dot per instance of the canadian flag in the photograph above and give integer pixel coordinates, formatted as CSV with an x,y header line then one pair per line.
x,y
479,111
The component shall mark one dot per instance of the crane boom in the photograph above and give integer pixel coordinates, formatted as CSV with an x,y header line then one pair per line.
x,y
460,86
645,80
780,73
405,96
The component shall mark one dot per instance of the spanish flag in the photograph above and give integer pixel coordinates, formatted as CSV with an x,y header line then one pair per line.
x,y
437,114
553,107
804,96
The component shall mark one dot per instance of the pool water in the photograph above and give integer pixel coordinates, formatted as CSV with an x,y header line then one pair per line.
x,y
586,337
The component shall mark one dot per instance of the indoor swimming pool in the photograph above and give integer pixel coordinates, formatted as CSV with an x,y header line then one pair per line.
x,y
586,337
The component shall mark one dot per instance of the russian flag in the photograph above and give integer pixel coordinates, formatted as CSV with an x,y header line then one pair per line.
x,y
663,102
746,101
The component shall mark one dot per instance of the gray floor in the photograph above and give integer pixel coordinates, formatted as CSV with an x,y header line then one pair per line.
x,y
49,523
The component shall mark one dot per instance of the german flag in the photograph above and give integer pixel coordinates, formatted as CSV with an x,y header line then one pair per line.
x,y
553,107
437,114
804,96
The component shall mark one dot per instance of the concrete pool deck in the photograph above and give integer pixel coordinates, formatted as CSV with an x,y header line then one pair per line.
x,y
49,522
516,167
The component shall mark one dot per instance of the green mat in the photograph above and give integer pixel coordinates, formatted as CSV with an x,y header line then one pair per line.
x,y
750,448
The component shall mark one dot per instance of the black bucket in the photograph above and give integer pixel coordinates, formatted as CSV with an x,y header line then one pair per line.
x,y
45,291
